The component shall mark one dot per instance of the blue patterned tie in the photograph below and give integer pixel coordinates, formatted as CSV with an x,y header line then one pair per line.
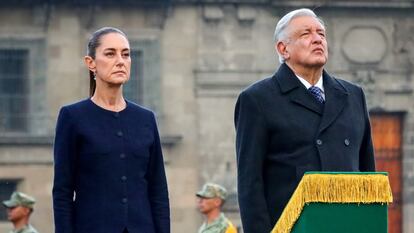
x,y
317,93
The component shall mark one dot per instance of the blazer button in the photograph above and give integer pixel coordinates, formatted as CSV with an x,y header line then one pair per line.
x,y
124,200
119,133
123,178
122,156
319,142
347,142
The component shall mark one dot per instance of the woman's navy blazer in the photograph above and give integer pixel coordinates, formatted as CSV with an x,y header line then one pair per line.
x,y
109,171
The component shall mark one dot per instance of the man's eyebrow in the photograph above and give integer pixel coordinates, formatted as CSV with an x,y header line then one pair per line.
x,y
112,49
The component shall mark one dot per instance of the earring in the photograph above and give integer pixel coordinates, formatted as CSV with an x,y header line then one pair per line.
x,y
94,75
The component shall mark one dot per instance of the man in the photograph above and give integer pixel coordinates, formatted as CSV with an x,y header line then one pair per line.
x,y
210,200
284,130
19,209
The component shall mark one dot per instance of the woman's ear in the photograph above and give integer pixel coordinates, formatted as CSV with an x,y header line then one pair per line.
x,y
90,63
281,48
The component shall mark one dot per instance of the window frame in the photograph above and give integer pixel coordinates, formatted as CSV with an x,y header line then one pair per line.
x,y
37,105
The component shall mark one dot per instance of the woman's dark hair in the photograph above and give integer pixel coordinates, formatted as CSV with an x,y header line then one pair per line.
x,y
93,43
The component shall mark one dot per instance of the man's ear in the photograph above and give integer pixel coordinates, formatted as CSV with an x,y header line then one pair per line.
x,y
26,210
218,201
281,48
90,63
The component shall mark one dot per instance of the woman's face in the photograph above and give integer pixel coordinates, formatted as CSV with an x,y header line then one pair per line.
x,y
112,63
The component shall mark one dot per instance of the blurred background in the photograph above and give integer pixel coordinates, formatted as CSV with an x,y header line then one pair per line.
x,y
191,58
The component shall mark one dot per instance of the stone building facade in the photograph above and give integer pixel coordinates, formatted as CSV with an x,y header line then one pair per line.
x,y
192,59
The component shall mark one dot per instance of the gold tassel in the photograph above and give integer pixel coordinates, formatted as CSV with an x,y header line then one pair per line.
x,y
334,188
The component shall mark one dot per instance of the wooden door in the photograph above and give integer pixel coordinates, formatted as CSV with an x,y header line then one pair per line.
x,y
387,135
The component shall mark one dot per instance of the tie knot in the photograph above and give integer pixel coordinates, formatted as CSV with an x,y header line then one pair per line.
x,y
317,93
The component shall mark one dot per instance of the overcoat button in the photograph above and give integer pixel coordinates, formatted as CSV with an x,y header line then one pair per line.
x,y
319,142
346,142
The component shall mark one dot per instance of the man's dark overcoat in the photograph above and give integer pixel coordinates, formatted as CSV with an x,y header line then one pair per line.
x,y
282,132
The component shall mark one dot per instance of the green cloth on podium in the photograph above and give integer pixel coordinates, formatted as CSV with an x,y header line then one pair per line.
x,y
324,201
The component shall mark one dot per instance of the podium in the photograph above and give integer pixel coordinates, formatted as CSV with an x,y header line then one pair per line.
x,y
338,202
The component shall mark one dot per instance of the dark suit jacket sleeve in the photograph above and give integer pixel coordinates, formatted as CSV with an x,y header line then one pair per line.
x,y
64,165
367,160
251,148
157,186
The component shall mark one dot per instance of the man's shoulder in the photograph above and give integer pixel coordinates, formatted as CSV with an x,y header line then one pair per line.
x,y
219,225
30,229
27,229
261,86
348,86
346,83
230,228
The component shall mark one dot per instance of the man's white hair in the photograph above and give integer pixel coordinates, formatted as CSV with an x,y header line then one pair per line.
x,y
280,30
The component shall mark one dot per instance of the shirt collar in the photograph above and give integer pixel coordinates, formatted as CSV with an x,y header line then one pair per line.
x,y
308,85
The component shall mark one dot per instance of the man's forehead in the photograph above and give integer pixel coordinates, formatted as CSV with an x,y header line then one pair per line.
x,y
306,22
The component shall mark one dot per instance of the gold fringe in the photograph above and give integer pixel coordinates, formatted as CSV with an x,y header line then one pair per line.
x,y
334,188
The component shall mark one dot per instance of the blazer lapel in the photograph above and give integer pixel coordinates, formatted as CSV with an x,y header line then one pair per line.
x,y
291,86
336,99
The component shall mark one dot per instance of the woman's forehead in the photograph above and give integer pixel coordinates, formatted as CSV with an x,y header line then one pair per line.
x,y
114,41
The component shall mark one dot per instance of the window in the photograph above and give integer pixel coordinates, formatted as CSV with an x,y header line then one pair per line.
x,y
7,187
13,90
133,89
144,85
23,105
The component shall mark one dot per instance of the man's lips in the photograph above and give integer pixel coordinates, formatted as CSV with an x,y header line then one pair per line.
x,y
119,72
318,50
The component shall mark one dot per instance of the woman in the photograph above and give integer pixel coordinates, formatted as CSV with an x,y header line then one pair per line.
x,y
109,171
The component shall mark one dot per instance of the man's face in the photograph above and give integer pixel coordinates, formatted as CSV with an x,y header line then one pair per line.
x,y
206,205
16,213
306,45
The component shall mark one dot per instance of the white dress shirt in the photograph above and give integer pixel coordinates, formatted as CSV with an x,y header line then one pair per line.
x,y
318,84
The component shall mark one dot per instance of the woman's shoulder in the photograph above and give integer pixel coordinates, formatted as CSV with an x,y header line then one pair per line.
x,y
139,109
77,105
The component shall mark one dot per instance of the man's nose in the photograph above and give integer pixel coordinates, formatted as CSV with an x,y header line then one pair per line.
x,y
316,38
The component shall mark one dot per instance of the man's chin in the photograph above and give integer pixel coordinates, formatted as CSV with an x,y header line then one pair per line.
x,y
319,63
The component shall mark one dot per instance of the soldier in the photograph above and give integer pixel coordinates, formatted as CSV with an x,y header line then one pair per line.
x,y
19,209
210,200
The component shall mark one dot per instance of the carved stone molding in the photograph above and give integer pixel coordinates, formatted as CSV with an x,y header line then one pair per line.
x,y
364,45
246,14
365,78
404,40
213,13
225,83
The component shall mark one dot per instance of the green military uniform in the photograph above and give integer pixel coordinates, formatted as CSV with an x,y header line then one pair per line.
x,y
26,229
220,225
21,199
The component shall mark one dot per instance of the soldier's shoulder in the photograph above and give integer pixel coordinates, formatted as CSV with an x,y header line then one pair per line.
x,y
29,229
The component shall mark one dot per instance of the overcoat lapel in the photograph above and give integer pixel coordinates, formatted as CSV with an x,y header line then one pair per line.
x,y
291,86
336,98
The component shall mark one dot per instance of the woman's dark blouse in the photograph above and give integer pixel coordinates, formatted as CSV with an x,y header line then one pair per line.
x,y
109,171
